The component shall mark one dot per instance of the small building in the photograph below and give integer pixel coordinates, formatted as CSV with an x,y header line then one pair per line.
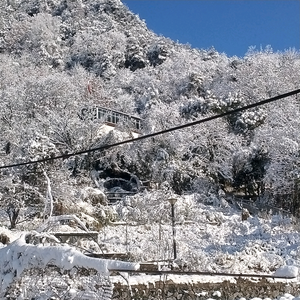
x,y
112,117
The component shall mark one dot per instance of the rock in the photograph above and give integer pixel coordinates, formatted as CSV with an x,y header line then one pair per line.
x,y
95,196
245,214
4,239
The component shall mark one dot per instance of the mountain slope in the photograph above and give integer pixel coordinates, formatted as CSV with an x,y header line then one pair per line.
x,y
58,57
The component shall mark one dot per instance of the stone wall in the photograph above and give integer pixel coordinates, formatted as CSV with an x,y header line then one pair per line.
x,y
225,290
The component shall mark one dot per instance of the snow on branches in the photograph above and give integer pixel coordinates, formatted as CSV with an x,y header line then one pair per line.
x,y
19,258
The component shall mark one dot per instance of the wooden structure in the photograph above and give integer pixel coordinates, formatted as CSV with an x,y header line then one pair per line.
x,y
72,237
114,197
117,256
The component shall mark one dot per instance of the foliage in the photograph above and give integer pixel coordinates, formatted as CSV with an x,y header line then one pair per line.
x,y
57,57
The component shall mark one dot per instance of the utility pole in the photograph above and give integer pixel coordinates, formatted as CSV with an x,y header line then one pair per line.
x,y
172,202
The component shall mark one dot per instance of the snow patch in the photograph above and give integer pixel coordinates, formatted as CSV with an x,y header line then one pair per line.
x,y
287,271
19,256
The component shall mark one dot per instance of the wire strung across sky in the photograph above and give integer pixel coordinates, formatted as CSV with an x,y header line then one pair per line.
x,y
146,136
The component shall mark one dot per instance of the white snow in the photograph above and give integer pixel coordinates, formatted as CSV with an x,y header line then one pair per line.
x,y
287,271
20,256
213,237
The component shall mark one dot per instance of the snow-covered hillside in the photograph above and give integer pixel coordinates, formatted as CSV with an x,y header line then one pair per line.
x,y
60,58
209,238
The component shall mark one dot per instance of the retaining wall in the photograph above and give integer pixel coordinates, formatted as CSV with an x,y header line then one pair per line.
x,y
225,290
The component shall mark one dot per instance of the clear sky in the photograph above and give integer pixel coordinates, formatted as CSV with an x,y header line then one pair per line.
x,y
230,26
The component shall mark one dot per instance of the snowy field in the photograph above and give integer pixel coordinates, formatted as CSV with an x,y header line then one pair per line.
x,y
209,238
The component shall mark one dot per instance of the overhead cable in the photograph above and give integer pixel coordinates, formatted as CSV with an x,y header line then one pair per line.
x,y
146,136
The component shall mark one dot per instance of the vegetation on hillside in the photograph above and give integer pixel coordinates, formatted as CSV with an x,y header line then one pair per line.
x,y
59,56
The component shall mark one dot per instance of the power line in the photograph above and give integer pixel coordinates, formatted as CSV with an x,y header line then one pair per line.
x,y
104,147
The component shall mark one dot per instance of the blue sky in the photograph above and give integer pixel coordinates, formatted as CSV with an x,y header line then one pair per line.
x,y
230,26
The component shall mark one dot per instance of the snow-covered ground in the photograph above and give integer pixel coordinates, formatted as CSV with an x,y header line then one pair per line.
x,y
209,238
